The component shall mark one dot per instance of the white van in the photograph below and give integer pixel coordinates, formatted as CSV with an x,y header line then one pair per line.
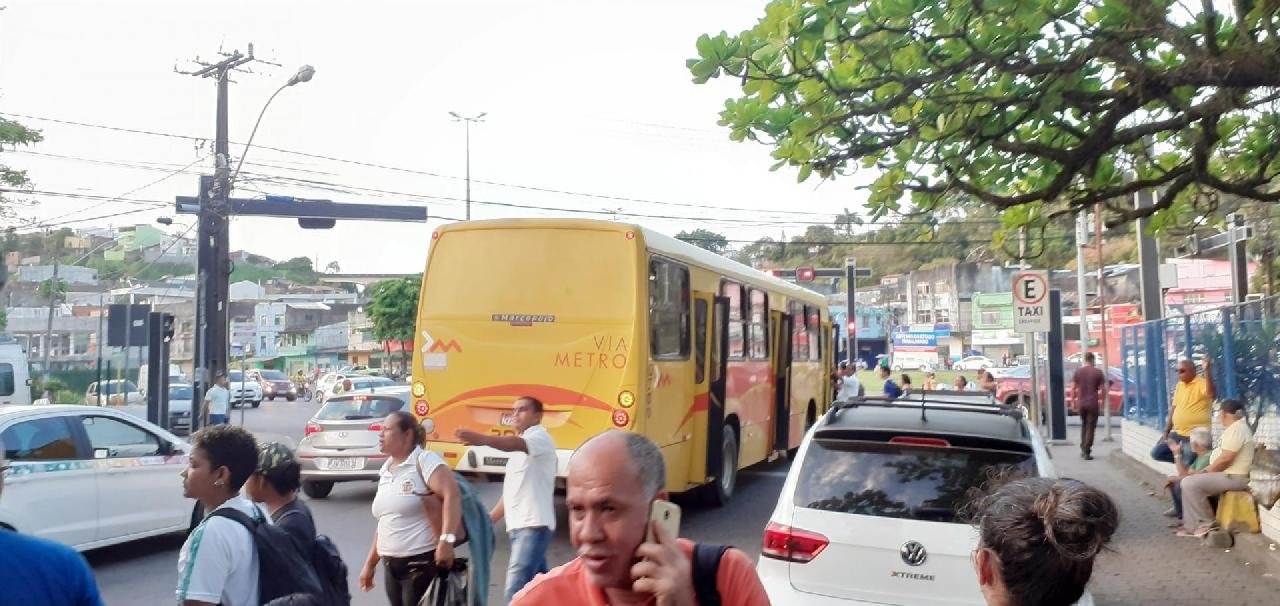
x,y
914,360
15,373
175,376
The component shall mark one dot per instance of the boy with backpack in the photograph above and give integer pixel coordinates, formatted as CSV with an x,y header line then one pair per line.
x,y
274,484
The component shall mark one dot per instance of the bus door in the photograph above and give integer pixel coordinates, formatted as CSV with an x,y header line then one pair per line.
x,y
711,336
780,330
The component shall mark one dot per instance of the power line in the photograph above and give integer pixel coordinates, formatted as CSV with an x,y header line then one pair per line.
x,y
611,197
134,190
853,243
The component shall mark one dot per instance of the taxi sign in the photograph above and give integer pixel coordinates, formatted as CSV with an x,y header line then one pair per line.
x,y
1031,301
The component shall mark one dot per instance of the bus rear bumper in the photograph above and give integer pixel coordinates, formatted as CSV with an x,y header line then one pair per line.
x,y
487,460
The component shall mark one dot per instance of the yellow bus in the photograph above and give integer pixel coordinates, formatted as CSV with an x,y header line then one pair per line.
x,y
613,325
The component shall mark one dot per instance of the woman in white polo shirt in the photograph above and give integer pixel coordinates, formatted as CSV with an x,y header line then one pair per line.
x,y
419,523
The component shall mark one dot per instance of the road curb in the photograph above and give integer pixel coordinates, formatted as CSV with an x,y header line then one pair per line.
x,y
1250,549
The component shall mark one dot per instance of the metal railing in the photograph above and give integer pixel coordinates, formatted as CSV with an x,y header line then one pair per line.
x,y
1241,341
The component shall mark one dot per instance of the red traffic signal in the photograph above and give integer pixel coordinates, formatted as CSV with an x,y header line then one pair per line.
x,y
853,328
805,274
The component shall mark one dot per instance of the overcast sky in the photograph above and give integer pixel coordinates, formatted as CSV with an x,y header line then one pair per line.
x,y
584,97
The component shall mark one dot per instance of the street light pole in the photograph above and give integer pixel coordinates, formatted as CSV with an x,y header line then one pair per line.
x,y
467,127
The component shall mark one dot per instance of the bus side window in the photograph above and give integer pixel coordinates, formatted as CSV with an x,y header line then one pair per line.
x,y
668,310
759,334
700,341
799,336
737,320
813,328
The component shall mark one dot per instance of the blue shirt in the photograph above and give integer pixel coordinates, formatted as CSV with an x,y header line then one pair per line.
x,y
891,389
39,572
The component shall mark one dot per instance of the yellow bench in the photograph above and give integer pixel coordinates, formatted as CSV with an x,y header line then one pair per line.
x,y
1237,512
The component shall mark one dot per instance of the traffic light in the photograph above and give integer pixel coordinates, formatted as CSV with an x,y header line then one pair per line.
x,y
166,327
853,328
805,274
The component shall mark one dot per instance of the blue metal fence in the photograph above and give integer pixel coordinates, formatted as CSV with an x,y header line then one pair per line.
x,y
1242,343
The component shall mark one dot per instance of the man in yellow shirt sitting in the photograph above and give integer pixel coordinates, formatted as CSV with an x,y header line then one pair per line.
x,y
1228,470
1192,407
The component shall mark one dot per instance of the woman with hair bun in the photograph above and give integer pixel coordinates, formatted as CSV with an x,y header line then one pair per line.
x,y
1038,539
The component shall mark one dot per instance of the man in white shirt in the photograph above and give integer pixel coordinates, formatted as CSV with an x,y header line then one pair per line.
x,y
217,402
850,386
528,491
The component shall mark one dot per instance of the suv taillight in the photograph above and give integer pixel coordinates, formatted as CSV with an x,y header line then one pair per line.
x,y
312,428
375,427
791,544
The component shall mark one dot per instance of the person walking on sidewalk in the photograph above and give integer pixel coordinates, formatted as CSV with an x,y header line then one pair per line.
x,y
528,491
1192,407
1228,470
1090,390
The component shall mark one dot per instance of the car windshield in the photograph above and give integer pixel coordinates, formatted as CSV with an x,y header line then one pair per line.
x,y
1019,372
274,375
895,481
235,375
118,387
359,408
179,393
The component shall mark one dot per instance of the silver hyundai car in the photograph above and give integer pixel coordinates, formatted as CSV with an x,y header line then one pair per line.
x,y
340,443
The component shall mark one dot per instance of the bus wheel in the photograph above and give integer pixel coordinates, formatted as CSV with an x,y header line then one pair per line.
x,y
721,490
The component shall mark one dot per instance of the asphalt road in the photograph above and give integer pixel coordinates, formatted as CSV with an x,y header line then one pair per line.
x,y
145,572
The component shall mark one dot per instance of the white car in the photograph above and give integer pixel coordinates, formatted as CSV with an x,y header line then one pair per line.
x,y
113,393
974,363
868,512
244,390
351,383
180,408
90,477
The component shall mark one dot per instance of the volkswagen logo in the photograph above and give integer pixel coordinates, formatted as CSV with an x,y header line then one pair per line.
x,y
913,553
343,434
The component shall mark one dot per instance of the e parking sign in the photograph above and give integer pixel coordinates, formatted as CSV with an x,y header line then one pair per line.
x,y
1031,301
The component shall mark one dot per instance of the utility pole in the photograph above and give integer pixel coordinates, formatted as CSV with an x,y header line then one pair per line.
x,y
1102,315
211,259
53,298
467,127
1082,303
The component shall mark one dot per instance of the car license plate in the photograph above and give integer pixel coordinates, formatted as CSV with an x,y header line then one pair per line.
x,y
340,464
508,419
495,461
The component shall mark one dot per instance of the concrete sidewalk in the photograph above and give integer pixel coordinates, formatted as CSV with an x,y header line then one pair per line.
x,y
1148,564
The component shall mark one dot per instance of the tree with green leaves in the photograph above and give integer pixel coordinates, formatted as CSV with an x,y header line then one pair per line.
x,y
13,134
705,238
1034,107
394,310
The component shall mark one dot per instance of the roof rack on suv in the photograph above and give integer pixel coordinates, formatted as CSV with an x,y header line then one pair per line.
x,y
984,402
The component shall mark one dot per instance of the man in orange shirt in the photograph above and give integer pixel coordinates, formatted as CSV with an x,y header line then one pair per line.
x,y
613,480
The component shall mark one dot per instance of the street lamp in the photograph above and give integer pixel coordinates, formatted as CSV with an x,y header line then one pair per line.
x,y
467,121
304,74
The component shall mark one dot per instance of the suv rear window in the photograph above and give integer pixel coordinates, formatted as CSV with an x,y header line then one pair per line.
x,y
896,481
274,375
354,409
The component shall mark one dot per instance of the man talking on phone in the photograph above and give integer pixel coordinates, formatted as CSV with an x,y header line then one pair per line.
x,y
624,557
528,490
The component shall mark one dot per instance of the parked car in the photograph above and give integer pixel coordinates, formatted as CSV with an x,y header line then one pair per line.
x,y
117,392
63,457
275,383
876,484
243,390
340,442
1014,386
180,408
974,363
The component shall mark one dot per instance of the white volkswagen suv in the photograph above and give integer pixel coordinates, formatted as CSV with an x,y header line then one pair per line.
x,y
868,513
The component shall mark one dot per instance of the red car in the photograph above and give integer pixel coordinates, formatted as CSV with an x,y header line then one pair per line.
x,y
1016,383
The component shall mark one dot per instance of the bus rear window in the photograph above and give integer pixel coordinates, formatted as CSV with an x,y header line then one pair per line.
x,y
559,275
6,379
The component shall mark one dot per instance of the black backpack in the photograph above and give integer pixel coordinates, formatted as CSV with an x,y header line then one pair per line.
x,y
706,565
285,571
331,570
328,564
